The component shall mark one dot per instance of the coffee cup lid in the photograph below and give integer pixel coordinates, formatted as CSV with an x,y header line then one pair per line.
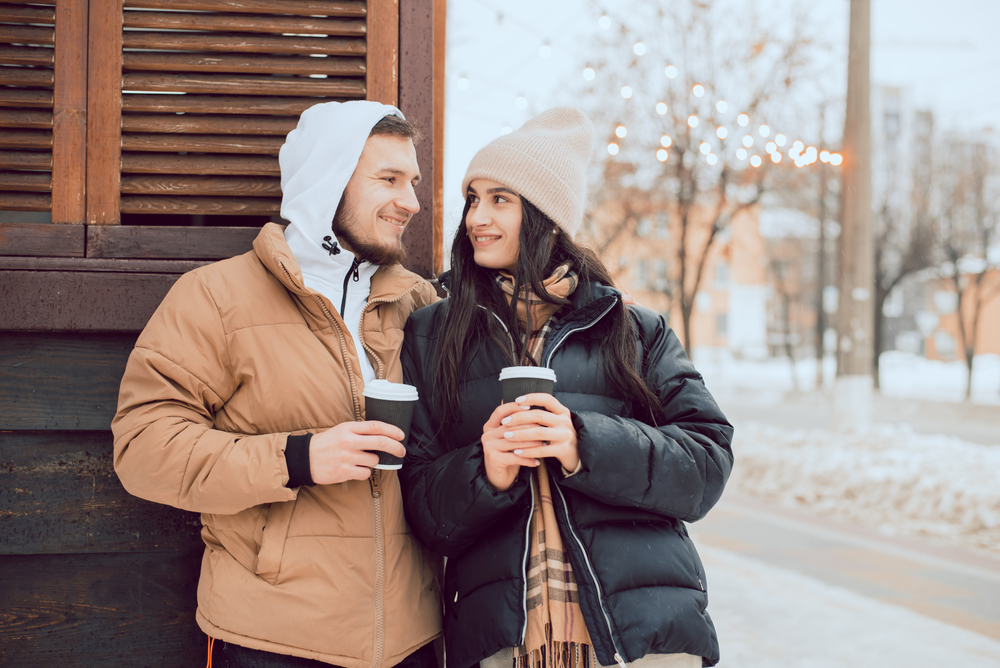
x,y
384,389
540,372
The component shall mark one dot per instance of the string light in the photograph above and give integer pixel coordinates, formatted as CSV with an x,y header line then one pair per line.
x,y
755,160
836,159
721,132
621,131
698,90
747,141
666,141
764,130
639,48
741,153
771,147
775,157
743,120
626,92
779,140
711,158
824,156
705,148
721,106
671,72
604,22
661,108
613,148
692,121
662,155
588,73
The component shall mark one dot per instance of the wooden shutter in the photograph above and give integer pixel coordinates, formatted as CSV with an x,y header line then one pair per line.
x,y
208,90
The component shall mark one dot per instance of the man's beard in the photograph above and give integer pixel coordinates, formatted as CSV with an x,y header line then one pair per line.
x,y
345,226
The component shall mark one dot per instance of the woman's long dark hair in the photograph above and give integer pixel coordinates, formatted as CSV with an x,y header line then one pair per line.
x,y
543,247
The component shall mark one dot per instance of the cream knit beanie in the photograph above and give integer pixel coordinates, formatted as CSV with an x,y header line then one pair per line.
x,y
545,161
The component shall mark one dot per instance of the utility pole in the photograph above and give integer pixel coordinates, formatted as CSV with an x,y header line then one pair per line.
x,y
855,317
821,259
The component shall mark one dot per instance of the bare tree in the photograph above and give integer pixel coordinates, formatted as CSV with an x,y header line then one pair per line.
x,y
785,288
704,79
970,228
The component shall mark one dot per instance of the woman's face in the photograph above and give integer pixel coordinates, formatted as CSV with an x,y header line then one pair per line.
x,y
494,224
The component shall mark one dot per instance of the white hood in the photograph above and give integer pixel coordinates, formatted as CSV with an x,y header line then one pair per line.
x,y
317,160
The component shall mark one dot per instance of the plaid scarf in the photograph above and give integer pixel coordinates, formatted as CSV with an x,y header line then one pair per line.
x,y
556,634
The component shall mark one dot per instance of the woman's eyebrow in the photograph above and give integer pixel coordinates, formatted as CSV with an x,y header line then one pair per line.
x,y
501,189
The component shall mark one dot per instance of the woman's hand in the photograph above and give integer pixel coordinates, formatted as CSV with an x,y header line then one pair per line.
x,y
502,463
543,431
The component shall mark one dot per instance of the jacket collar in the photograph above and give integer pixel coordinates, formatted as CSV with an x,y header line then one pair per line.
x,y
388,282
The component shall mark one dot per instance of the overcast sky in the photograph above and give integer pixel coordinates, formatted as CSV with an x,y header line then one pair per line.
x,y
945,56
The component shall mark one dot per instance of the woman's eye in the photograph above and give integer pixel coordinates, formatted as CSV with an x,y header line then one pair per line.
x,y
501,199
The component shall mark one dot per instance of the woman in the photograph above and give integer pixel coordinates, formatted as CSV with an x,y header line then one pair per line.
x,y
561,516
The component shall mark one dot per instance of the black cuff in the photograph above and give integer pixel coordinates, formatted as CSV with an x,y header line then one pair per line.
x,y
297,461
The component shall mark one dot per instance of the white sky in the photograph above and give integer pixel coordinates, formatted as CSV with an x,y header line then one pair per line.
x,y
944,55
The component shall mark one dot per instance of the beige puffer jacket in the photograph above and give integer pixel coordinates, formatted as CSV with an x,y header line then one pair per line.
x,y
238,356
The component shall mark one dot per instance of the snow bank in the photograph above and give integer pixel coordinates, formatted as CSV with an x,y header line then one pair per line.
x,y
882,476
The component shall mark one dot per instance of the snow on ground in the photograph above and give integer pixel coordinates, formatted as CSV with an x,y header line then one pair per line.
x,y
901,375
768,616
883,476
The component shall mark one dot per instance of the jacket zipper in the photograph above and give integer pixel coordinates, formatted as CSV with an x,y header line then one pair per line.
x,y
376,485
524,565
353,271
565,336
593,575
361,326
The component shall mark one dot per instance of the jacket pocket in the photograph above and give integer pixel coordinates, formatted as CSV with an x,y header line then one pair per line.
x,y
274,534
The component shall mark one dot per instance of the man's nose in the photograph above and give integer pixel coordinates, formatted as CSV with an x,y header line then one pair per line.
x,y
408,201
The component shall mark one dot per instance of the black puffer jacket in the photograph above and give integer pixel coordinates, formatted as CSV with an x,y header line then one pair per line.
x,y
641,583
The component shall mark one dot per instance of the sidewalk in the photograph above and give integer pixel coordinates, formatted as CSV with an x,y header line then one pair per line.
x,y
788,589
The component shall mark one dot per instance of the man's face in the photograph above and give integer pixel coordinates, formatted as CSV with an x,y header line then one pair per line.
x,y
379,200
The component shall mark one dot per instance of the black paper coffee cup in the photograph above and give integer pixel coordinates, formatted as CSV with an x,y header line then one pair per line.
x,y
392,403
518,381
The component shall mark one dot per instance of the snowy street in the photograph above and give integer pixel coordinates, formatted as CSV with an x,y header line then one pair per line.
x,y
864,546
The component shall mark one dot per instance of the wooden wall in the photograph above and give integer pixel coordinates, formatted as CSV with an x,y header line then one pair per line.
x,y
147,120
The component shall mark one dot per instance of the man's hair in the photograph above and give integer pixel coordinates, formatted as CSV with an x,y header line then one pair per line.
x,y
396,127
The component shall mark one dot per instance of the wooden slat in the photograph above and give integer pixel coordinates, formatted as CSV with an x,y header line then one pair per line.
x,y
25,202
295,7
225,165
225,62
25,160
27,55
58,489
109,610
25,118
11,34
219,125
69,151
179,41
224,186
88,265
253,206
104,103
219,22
221,104
27,181
230,84
35,239
172,143
77,301
383,51
27,76
26,139
27,14
34,99
152,242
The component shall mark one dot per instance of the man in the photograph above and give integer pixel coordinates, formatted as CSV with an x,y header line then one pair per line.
x,y
243,401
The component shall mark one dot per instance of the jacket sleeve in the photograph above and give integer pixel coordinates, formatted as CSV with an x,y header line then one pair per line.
x,y
447,498
677,469
166,448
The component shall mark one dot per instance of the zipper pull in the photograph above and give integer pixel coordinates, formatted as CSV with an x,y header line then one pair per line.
x,y
355,266
376,483
701,584
620,660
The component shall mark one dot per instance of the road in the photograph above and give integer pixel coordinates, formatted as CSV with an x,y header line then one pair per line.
x,y
792,590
